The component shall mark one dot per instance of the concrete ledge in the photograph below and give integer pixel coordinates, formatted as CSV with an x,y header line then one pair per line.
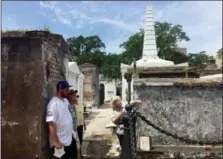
x,y
179,82
55,38
184,148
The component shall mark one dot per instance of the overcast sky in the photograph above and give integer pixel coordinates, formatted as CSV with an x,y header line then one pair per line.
x,y
115,21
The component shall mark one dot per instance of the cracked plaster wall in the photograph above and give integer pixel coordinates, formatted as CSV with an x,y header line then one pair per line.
x,y
194,113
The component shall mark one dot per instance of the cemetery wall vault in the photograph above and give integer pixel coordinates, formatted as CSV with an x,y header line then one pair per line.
x,y
32,63
91,84
190,110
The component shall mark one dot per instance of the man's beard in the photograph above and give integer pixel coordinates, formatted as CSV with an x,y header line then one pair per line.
x,y
63,95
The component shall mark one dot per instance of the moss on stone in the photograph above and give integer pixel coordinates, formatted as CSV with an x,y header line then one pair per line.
x,y
198,83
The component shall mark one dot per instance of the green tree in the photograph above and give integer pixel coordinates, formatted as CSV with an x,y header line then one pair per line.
x,y
96,58
93,43
178,57
167,37
219,53
199,60
76,45
91,50
111,66
133,47
82,45
87,49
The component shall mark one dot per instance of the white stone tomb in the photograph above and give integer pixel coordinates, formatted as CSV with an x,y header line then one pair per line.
x,y
76,79
149,56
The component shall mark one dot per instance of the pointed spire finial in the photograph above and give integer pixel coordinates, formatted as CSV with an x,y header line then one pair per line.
x,y
149,9
150,52
149,43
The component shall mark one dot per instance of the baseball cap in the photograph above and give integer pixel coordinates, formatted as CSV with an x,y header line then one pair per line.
x,y
63,84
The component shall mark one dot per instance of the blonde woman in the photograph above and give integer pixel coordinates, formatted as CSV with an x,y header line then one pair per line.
x,y
118,112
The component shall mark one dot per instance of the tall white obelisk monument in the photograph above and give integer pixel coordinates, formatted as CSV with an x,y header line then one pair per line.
x,y
150,55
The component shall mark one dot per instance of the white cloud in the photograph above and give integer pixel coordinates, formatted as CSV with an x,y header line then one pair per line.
x,y
86,2
118,23
9,19
49,4
61,15
65,16
201,20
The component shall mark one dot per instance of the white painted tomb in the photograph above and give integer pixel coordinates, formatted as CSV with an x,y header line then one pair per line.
x,y
110,88
124,68
76,79
149,56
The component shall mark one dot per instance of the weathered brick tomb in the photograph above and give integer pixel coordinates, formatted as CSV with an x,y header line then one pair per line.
x,y
32,63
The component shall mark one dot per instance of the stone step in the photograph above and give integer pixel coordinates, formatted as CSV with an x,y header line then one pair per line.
x,y
165,156
93,157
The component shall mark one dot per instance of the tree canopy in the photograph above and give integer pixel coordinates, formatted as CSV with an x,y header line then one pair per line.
x,y
133,47
167,38
87,49
219,53
198,60
111,66
91,50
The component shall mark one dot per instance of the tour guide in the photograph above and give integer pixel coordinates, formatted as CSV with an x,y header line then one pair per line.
x,y
60,123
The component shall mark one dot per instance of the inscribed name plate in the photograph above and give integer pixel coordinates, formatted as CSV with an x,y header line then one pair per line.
x,y
144,143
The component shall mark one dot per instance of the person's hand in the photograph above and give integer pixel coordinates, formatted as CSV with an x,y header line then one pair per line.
x,y
138,102
58,145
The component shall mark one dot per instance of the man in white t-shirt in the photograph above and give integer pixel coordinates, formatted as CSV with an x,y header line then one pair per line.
x,y
60,122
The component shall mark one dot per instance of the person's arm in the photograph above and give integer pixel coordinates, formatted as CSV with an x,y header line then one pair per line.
x,y
53,133
50,119
136,102
85,128
84,119
116,119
